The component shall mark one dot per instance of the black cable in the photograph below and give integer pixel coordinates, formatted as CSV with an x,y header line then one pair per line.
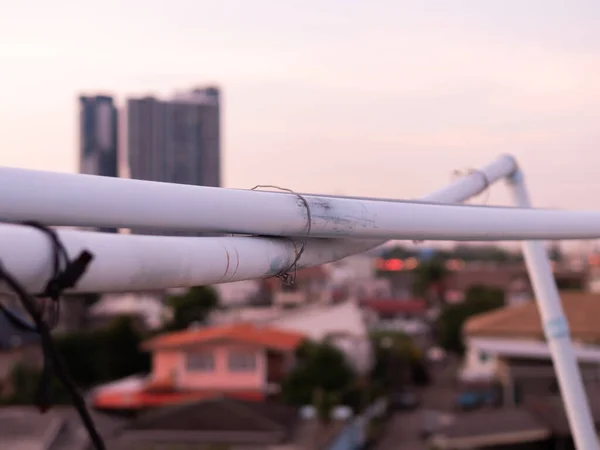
x,y
16,320
65,275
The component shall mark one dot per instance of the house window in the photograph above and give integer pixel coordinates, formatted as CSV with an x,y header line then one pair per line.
x,y
242,362
200,362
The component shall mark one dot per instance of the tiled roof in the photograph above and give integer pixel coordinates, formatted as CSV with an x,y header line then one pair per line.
x,y
219,414
24,427
269,337
523,321
485,427
551,410
228,421
540,416
393,306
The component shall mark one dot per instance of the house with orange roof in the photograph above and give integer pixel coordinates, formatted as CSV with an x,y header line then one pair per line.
x,y
508,345
239,361
342,325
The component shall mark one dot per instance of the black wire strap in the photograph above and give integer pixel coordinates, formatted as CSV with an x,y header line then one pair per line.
x,y
65,275
288,275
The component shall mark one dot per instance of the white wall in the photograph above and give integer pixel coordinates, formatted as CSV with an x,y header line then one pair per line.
x,y
237,293
476,366
356,266
320,322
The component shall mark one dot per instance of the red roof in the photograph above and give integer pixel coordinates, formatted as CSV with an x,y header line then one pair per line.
x,y
393,306
268,337
140,399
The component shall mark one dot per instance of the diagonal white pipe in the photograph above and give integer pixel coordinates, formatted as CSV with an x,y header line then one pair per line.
x,y
556,330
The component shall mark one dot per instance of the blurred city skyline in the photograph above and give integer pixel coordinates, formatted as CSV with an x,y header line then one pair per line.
x,y
354,98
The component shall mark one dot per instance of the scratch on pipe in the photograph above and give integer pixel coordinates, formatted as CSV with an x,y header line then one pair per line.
x,y
317,203
237,262
226,266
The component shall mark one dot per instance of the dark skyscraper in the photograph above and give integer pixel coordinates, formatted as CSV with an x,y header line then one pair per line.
x,y
176,140
98,138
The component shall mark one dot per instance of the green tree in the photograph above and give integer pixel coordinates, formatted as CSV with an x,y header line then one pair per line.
x,y
320,367
478,300
193,306
491,253
397,361
76,308
430,281
104,354
324,402
24,382
555,252
91,357
122,334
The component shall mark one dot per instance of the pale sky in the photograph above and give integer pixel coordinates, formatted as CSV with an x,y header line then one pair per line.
x,y
377,98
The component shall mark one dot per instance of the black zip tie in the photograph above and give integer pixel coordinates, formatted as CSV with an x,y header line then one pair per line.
x,y
288,276
65,274
62,278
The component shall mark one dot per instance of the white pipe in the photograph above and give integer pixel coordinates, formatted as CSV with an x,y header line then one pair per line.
x,y
134,262
456,192
281,215
556,330
83,200
92,201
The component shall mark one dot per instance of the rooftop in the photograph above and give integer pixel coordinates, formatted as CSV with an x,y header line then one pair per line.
x,y
551,410
393,306
492,427
523,321
263,336
150,396
60,428
218,414
521,348
222,420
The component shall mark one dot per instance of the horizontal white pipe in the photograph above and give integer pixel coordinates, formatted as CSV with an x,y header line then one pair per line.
x,y
92,201
133,262
265,213
457,192
419,221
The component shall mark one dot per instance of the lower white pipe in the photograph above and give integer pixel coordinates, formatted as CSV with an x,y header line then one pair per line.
x,y
134,262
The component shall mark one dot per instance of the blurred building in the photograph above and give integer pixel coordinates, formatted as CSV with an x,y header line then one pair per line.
x,y
176,140
98,138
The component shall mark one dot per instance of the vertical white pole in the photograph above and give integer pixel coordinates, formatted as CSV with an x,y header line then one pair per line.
x,y
556,330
